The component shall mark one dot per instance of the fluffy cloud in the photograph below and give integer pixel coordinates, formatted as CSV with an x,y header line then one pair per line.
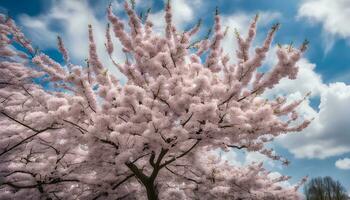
x,y
241,21
343,163
332,14
328,134
70,20
238,158
274,175
232,157
184,12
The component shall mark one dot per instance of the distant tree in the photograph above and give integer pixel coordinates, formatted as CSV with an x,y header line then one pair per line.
x,y
325,188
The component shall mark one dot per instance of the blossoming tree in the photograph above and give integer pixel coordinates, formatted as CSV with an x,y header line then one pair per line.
x,y
88,136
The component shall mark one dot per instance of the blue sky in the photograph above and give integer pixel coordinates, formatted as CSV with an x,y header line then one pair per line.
x,y
320,150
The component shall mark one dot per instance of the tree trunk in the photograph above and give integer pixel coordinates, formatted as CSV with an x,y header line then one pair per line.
x,y
148,182
152,193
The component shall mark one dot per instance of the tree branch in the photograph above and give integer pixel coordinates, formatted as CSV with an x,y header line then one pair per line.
x,y
182,176
237,147
27,138
181,155
122,181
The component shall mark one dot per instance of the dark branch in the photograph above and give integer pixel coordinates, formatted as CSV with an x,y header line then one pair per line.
x,y
182,176
189,118
37,132
110,143
122,181
237,147
181,155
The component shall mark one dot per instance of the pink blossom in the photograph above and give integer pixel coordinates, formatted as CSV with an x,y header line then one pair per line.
x,y
89,136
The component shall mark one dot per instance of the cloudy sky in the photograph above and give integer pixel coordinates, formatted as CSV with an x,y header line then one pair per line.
x,y
320,150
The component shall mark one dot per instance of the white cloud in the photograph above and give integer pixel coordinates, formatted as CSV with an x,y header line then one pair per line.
x,y
332,14
74,16
70,20
328,134
38,31
241,21
118,5
343,163
255,157
183,11
232,157
275,175
237,158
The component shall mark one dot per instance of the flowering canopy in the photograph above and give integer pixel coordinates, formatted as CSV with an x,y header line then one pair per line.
x,y
90,137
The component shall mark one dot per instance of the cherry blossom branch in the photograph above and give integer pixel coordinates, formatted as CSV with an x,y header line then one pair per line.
x,y
181,155
182,176
37,132
40,184
123,181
